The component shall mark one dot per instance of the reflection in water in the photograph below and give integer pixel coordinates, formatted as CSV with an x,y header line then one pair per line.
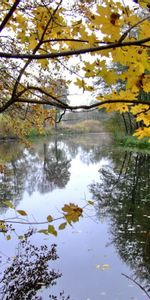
x,y
50,169
29,271
56,166
123,195
33,171
42,168
12,179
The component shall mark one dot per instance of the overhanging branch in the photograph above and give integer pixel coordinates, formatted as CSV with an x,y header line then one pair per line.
x,y
86,107
74,52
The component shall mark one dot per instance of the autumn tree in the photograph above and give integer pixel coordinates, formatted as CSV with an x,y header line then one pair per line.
x,y
78,41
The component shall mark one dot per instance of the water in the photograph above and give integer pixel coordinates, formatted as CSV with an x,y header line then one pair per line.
x,y
113,237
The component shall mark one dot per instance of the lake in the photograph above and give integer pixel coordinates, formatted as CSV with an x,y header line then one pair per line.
x,y
106,255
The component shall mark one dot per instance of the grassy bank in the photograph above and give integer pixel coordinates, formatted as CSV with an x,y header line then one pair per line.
x,y
34,133
116,126
130,141
112,125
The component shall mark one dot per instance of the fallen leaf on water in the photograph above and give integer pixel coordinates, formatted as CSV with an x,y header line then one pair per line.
x,y
103,267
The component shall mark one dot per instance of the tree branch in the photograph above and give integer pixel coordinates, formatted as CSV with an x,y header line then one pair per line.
x,y
74,52
10,13
12,100
47,94
42,102
60,117
132,27
141,287
86,107
73,40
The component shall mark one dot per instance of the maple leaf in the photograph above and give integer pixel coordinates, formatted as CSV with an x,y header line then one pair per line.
x,y
142,132
72,212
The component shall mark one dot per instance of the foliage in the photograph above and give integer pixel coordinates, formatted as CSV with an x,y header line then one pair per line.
x,y
29,271
70,213
38,42
42,168
132,142
122,194
121,127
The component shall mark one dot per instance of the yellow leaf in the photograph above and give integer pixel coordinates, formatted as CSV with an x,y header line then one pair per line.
x,y
72,212
49,218
103,267
45,231
62,226
142,132
138,108
22,212
51,229
9,204
79,83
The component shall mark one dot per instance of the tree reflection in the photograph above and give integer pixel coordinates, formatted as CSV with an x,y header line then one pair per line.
x,y
88,147
25,169
12,179
42,167
50,171
56,166
123,195
29,271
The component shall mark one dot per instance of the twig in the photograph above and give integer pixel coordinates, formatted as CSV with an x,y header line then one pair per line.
x,y
29,223
132,27
134,281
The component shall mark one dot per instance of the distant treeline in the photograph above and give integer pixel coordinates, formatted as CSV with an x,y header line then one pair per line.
x,y
75,117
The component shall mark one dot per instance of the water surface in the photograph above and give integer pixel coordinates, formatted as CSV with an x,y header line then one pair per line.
x,y
113,237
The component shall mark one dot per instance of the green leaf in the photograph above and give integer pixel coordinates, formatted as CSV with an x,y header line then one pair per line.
x,y
3,227
62,226
22,212
90,202
45,231
49,218
21,237
9,204
8,237
52,230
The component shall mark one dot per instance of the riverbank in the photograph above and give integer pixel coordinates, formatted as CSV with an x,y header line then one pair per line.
x,y
85,127
130,141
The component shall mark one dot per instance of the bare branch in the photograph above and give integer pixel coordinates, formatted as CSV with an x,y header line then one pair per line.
x,y
47,94
141,287
60,117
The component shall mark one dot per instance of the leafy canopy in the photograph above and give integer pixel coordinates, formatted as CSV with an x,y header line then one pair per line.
x,y
103,48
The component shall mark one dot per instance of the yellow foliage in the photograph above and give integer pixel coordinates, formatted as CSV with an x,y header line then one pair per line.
x,y
145,117
72,212
139,108
142,133
50,28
